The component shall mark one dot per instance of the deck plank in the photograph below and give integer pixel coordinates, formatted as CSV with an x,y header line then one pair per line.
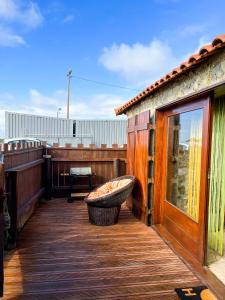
x,y
61,256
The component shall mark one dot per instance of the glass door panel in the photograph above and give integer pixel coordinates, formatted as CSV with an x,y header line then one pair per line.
x,y
184,161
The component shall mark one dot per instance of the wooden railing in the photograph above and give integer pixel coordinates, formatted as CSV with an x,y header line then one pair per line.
x,y
32,170
105,162
19,154
24,182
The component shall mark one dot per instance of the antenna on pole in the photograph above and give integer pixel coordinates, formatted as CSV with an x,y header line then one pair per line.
x,y
69,75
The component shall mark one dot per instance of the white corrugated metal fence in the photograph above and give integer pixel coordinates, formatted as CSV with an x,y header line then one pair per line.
x,y
60,130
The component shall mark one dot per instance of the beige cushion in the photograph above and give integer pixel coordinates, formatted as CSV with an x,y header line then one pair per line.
x,y
107,188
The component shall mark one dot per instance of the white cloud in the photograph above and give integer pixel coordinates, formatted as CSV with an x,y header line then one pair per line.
x,y
139,63
41,100
14,12
20,11
9,38
191,30
6,97
31,16
8,9
203,40
68,19
99,106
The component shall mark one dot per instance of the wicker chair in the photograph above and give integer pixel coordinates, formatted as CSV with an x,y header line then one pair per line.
x,y
104,210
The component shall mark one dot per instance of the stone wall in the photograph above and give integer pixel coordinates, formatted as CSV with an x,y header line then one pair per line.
x,y
206,74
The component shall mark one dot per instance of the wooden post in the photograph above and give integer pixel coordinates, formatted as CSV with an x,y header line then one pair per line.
x,y
45,148
116,165
6,148
11,189
68,146
47,176
115,146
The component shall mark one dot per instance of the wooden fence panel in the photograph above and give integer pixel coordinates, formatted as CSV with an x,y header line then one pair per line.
x,y
101,160
25,188
19,157
24,182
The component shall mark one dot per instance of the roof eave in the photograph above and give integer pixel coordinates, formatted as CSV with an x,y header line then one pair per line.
x,y
205,52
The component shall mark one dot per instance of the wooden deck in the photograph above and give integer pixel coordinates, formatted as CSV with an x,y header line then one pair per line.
x,y
61,256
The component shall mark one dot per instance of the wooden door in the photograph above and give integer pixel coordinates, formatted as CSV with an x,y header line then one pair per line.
x,y
183,167
137,163
1,228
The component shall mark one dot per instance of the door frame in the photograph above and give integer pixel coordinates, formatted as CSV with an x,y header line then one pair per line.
x,y
161,160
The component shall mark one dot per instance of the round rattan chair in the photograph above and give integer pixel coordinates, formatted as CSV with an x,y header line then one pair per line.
x,y
104,210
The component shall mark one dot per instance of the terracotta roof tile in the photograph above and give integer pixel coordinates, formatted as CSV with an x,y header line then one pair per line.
x,y
218,40
196,58
168,76
184,65
206,49
175,71
193,58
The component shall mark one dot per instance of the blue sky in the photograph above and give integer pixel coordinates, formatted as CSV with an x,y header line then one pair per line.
x,y
122,42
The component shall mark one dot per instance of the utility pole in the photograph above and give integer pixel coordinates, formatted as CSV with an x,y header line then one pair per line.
x,y
58,111
69,75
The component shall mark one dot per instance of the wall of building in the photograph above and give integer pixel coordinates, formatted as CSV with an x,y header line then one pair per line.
x,y
101,131
64,131
25,125
207,74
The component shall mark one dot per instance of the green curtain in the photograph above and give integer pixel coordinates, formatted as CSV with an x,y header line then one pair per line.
x,y
194,168
217,178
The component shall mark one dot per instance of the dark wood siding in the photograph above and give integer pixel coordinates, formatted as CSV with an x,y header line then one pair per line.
x,y
137,163
24,184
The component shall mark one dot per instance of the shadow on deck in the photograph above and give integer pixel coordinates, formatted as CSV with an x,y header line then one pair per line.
x,y
61,256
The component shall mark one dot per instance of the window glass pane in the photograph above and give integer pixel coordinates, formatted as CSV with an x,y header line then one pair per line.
x,y
184,161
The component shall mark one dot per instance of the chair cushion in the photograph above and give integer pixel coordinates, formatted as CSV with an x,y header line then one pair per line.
x,y
107,188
